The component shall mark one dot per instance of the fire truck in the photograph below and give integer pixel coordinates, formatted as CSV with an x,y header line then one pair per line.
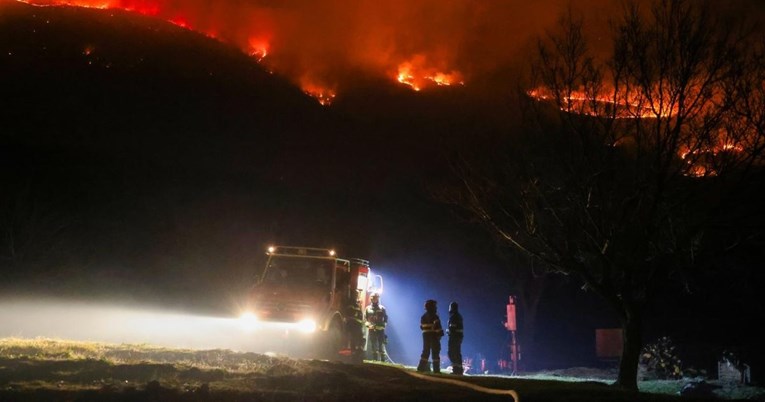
x,y
302,295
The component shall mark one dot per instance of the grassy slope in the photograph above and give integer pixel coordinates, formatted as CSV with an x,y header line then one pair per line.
x,y
44,369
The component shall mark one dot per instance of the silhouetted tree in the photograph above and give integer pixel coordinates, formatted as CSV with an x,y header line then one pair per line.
x,y
626,161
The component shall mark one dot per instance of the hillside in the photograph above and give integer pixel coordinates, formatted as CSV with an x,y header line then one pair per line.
x,y
117,83
142,142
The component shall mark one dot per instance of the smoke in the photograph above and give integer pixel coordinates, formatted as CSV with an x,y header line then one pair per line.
x,y
321,42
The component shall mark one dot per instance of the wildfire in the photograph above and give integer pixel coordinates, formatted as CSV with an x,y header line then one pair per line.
x,y
258,48
325,96
145,9
252,32
415,75
405,76
614,104
178,21
444,79
78,3
142,8
632,106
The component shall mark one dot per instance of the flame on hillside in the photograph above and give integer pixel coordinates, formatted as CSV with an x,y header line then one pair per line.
x,y
417,76
74,3
324,95
614,105
179,21
258,48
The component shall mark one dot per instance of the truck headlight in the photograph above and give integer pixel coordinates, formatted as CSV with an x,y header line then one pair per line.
x,y
308,325
248,320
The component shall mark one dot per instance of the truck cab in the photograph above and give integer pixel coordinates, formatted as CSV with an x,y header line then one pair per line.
x,y
304,292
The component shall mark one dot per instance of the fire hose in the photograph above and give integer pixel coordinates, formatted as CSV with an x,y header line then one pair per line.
x,y
463,384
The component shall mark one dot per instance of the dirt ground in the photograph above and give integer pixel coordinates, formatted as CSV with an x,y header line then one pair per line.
x,y
61,371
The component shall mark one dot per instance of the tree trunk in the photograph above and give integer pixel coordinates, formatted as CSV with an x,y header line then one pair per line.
x,y
530,298
631,345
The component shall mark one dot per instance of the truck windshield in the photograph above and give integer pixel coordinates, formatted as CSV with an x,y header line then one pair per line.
x,y
299,271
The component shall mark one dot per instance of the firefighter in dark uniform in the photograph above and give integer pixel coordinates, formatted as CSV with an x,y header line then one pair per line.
x,y
455,331
376,319
354,324
430,324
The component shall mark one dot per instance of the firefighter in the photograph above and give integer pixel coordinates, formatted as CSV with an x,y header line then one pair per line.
x,y
376,319
354,324
430,324
455,331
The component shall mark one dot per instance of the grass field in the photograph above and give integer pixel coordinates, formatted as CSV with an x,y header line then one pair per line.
x,y
59,370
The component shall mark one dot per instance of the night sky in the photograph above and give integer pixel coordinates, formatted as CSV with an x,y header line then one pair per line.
x,y
151,161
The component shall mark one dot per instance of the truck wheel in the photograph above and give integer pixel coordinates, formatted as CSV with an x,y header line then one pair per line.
x,y
333,341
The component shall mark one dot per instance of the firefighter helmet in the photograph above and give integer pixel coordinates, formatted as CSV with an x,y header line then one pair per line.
x,y
430,304
453,306
374,295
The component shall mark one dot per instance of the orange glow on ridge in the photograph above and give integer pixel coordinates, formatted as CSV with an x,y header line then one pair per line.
x,y
620,105
631,106
258,48
416,75
405,76
325,96
179,22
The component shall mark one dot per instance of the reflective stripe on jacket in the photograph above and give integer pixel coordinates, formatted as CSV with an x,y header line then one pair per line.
x,y
431,323
455,323
376,317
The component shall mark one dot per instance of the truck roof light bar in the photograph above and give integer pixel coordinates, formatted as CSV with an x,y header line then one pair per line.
x,y
301,251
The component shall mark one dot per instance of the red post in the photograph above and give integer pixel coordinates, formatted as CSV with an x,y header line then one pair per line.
x,y
512,326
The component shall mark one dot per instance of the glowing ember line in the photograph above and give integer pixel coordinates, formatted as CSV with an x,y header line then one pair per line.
x,y
259,54
416,76
258,48
408,80
629,106
179,22
445,79
101,6
619,105
325,96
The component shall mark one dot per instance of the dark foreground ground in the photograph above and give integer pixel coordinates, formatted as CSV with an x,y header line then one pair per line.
x,y
47,370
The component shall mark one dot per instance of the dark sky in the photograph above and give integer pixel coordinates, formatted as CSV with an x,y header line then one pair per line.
x,y
143,160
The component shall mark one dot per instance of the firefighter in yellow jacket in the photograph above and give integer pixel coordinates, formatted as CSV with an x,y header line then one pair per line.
x,y
430,324
376,318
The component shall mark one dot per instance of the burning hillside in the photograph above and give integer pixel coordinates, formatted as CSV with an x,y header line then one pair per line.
x,y
262,33
612,104
124,81
698,153
426,44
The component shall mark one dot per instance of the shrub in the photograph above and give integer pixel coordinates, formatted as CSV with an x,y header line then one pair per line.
x,y
659,361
